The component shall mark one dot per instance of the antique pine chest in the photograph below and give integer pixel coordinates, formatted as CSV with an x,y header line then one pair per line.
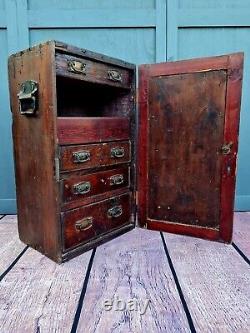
x,y
91,165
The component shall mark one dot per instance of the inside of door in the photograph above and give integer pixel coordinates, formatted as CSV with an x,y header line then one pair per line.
x,y
188,122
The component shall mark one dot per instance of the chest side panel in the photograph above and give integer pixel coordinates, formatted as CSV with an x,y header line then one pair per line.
x,y
35,151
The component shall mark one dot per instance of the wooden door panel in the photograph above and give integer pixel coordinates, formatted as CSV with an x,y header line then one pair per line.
x,y
188,111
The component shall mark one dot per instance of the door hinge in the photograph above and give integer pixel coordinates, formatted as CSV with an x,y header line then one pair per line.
x,y
57,169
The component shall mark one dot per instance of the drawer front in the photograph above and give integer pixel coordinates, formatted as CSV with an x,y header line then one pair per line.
x,y
79,187
83,224
94,155
92,71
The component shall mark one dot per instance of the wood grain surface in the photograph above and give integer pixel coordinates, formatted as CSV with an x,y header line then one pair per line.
x,y
35,150
186,135
38,295
241,235
215,282
133,266
70,129
11,246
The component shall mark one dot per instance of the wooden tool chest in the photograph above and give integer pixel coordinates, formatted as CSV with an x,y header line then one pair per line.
x,y
89,167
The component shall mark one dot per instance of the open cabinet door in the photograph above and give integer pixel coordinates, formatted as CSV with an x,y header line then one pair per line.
x,y
187,145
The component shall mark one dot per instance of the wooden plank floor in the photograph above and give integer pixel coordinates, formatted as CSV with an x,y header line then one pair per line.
x,y
189,284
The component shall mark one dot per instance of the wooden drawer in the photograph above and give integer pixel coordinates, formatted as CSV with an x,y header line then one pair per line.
x,y
94,155
79,187
92,71
83,224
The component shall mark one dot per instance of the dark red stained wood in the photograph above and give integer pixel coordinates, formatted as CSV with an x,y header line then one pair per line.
x,y
34,149
78,130
189,66
96,72
100,182
44,143
186,115
231,132
233,65
100,155
101,222
182,229
142,146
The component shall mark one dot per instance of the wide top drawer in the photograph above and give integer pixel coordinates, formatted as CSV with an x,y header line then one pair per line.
x,y
93,71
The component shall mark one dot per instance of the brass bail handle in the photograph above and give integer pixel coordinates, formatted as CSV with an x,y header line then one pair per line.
x,y
115,211
84,224
77,67
114,75
117,152
81,156
116,180
82,188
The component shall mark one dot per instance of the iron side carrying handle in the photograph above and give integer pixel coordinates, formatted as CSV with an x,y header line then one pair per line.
x,y
28,97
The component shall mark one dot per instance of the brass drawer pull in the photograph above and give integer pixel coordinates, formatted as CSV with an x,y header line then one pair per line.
x,y
226,148
82,188
81,156
116,180
117,152
77,67
114,75
84,224
115,211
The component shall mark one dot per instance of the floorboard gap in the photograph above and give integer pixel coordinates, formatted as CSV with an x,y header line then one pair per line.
x,y
241,253
83,292
178,286
13,263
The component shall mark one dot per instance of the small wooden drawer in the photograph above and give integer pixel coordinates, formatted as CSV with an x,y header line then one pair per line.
x,y
79,187
92,71
83,224
94,155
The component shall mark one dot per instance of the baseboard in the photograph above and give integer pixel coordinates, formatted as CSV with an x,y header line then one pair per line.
x,y
242,203
8,206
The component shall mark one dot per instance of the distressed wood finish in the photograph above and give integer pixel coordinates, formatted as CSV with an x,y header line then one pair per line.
x,y
98,110
84,134
215,283
74,50
100,155
85,99
231,134
38,295
70,130
221,173
96,72
185,159
99,182
134,266
100,222
10,243
241,233
34,150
